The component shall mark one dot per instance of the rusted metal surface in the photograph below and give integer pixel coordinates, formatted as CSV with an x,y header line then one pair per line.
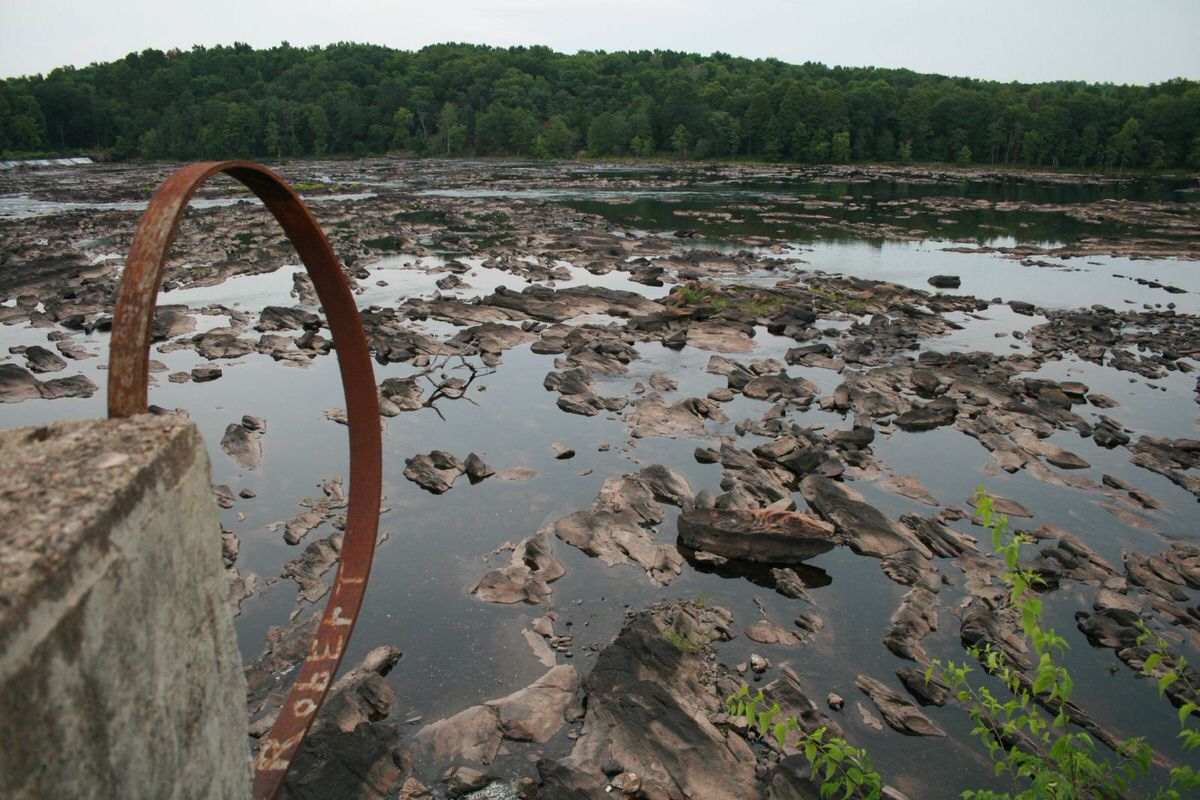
x,y
128,370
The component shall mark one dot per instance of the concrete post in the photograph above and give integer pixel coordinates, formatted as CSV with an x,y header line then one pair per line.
x,y
119,669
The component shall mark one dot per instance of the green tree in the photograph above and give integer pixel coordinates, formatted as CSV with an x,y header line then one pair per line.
x,y
681,141
318,126
840,148
1123,146
402,126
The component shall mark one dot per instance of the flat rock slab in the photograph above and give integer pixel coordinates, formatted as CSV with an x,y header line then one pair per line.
x,y
899,713
766,536
861,526
720,337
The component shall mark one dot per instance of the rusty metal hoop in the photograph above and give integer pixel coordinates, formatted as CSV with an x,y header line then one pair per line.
x,y
128,370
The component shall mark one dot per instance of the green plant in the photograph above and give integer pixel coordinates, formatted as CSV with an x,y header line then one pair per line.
x,y
836,765
1052,759
692,293
682,643
1057,761
841,767
1176,671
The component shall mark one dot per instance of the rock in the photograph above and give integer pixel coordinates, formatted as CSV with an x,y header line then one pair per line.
x,y
281,318
537,712
928,692
789,584
773,537
982,625
910,568
913,621
862,527
243,446
205,374
899,713
519,474
171,321
222,345
476,469
835,701
909,486
316,510
41,360
369,762
765,632
788,691
1066,460
1021,307
720,395
779,387
527,579
17,384
561,451
759,664
434,472
945,281
413,789
721,337
645,697
663,383
74,386
349,751
627,783
653,417
223,495
942,411
868,719
463,780
1004,505
941,540
540,649
615,528
307,568
472,735
399,394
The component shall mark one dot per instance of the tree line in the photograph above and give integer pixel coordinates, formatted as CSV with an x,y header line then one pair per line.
x,y
459,100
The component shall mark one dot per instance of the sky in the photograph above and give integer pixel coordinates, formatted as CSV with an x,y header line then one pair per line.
x,y
1115,41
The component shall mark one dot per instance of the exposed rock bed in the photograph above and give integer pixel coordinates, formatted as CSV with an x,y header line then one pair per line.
x,y
809,383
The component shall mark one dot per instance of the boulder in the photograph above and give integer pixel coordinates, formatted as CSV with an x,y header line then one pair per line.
x,y
766,536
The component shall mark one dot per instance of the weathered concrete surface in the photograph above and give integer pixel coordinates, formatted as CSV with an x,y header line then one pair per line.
x,y
119,670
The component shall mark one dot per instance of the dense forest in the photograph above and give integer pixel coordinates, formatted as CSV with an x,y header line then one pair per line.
x,y
457,100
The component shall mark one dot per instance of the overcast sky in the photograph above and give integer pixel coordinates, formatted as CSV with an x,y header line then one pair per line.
x,y
1119,41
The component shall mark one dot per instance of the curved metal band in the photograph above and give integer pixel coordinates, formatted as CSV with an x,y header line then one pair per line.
x,y
128,370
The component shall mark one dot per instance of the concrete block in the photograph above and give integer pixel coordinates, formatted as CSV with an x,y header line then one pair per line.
x,y
119,669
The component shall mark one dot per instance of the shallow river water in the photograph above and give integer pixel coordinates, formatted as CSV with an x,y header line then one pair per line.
x,y
459,651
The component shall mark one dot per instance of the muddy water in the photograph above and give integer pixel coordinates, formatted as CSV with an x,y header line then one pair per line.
x,y
459,652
